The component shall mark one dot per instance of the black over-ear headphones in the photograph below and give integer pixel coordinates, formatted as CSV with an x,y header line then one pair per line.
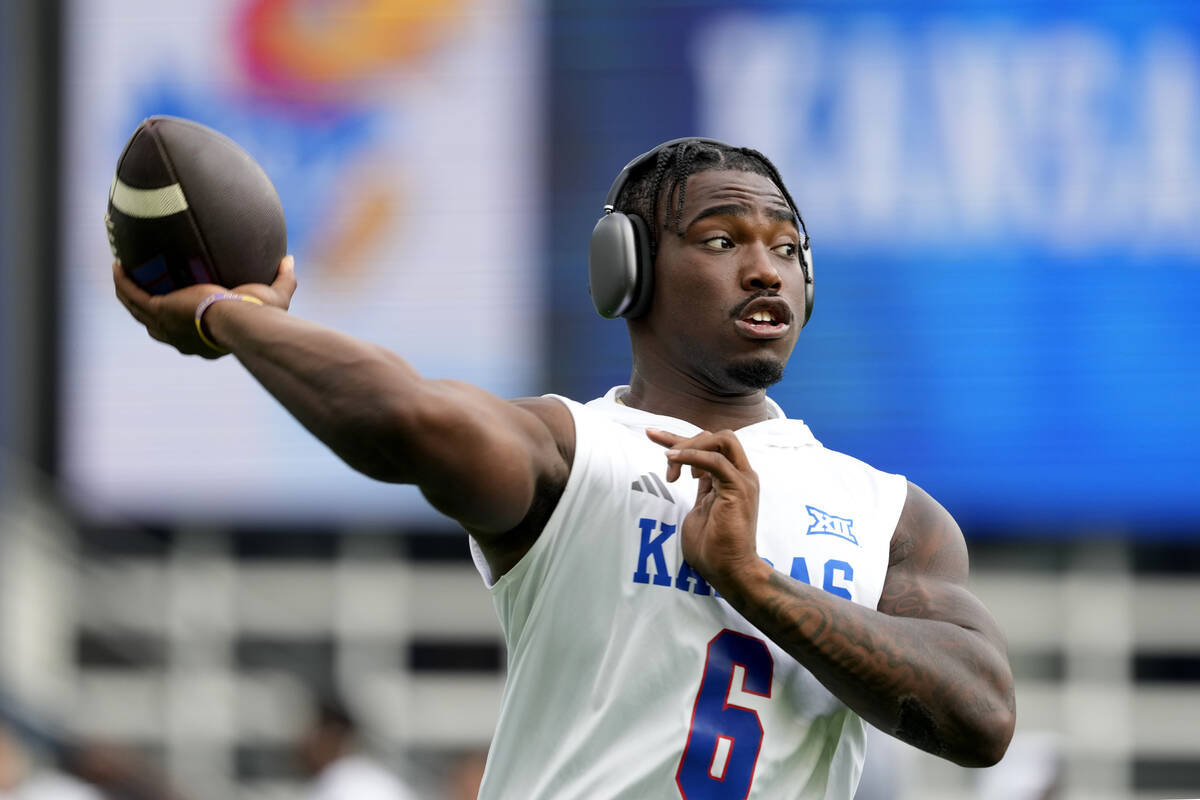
x,y
620,268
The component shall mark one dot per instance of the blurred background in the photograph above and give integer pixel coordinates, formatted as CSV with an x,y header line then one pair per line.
x,y
198,601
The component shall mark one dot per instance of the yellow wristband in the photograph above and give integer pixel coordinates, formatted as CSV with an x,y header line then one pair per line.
x,y
217,297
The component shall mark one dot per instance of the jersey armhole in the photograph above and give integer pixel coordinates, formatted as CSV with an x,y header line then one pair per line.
x,y
551,529
892,496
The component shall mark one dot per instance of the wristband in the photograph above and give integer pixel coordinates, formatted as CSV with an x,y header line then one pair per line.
x,y
217,297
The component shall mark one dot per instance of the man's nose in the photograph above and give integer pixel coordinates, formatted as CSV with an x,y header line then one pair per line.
x,y
758,269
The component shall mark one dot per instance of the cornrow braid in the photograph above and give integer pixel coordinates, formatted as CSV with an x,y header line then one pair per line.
x,y
673,166
660,171
686,159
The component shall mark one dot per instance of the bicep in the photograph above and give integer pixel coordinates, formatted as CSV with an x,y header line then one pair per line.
x,y
483,459
927,573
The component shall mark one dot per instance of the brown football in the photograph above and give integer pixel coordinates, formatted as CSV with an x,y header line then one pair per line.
x,y
188,205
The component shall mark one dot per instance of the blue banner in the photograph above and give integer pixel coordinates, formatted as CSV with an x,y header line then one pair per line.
x,y
1005,211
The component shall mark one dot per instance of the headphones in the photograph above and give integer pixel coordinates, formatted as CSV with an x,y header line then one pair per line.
x,y
620,268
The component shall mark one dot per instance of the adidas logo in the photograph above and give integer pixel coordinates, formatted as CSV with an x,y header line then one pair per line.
x,y
654,485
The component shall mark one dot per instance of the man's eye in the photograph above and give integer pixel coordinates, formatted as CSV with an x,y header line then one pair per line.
x,y
719,242
787,250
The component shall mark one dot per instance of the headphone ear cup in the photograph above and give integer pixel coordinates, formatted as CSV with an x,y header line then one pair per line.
x,y
617,280
806,255
643,291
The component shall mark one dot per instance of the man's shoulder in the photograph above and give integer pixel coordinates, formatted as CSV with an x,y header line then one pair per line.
x,y
847,461
555,412
828,473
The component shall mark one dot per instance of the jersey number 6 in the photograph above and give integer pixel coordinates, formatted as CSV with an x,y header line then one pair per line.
x,y
725,738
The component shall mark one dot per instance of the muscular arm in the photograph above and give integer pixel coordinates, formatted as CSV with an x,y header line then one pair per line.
x,y
496,467
929,665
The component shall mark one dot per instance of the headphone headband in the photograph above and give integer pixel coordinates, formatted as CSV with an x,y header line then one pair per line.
x,y
610,199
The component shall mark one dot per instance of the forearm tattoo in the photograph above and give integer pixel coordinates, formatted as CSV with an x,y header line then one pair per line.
x,y
930,682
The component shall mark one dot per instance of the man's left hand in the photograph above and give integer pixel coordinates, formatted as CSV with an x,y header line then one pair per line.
x,y
718,534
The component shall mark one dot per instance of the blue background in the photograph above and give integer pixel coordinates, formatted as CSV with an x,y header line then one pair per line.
x,y
1030,384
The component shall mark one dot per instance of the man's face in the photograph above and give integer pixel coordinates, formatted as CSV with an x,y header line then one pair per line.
x,y
729,294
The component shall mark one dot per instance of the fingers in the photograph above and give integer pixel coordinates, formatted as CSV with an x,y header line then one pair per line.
x,y
719,455
285,280
280,292
723,443
712,462
136,312
129,293
665,438
135,300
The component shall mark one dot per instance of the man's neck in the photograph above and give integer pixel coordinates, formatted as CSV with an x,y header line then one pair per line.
x,y
692,403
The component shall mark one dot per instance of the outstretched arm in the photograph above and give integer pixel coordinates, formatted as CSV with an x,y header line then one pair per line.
x,y
929,666
495,466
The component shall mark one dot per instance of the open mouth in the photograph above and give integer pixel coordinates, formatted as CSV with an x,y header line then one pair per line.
x,y
762,318
765,318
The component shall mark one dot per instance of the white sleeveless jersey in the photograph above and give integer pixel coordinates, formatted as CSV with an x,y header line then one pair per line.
x,y
628,677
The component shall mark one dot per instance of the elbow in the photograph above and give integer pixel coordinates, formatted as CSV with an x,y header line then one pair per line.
x,y
987,739
990,725
971,732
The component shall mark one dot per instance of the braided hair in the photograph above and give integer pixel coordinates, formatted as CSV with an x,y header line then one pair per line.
x,y
666,179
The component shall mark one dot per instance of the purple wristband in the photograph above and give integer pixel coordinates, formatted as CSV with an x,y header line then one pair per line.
x,y
217,297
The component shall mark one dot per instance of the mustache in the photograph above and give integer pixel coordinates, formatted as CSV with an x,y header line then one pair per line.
x,y
736,313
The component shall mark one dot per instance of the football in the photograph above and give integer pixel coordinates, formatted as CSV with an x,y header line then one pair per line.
x,y
188,205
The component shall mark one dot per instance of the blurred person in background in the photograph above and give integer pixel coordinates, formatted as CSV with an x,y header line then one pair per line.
x,y
23,777
725,636
466,774
331,753
1033,770
118,772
